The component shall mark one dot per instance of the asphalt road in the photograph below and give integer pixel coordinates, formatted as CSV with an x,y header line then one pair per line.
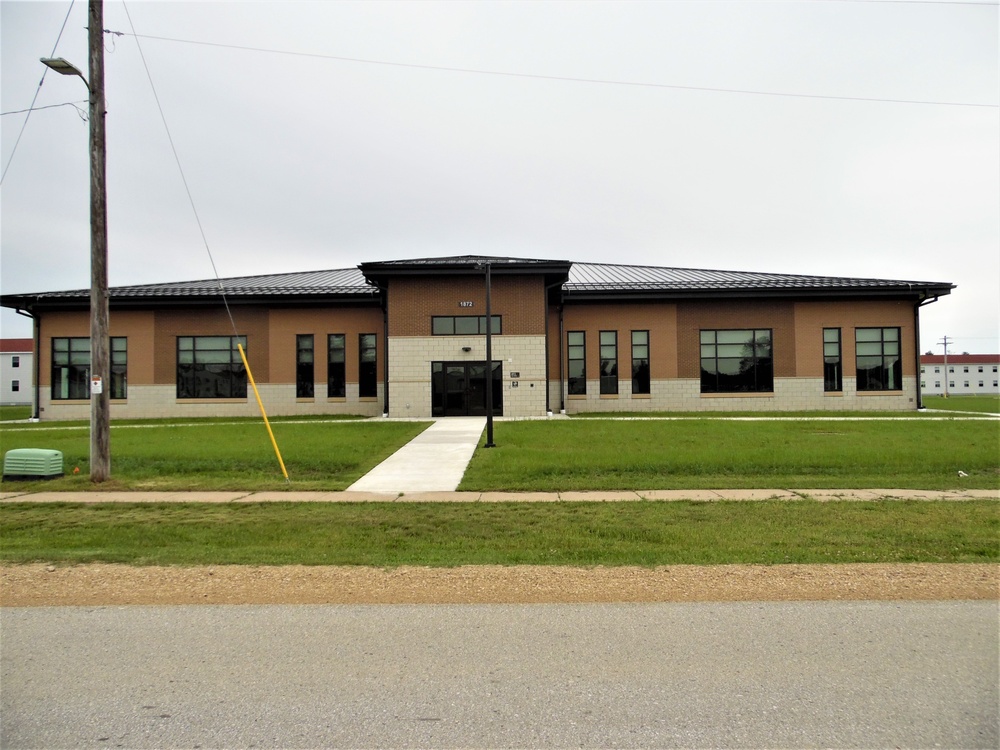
x,y
830,674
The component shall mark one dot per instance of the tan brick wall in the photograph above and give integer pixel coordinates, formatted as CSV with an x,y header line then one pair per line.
x,y
285,325
695,316
520,300
812,317
251,322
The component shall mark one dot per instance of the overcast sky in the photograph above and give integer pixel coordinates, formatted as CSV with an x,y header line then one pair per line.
x,y
298,158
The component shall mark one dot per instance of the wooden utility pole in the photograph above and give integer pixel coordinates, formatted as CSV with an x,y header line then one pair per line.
x,y
100,355
945,342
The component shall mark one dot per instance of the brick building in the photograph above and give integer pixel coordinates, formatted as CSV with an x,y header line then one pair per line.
x,y
407,338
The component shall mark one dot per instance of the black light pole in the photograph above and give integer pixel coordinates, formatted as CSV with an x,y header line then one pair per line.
x,y
100,358
489,362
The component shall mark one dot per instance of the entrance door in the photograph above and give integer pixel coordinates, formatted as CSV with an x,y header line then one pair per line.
x,y
458,389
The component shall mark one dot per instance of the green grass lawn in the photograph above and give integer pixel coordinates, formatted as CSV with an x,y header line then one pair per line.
x,y
987,404
219,455
14,412
563,455
449,534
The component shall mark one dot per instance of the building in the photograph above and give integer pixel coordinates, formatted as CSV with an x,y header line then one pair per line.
x,y
407,338
17,362
963,374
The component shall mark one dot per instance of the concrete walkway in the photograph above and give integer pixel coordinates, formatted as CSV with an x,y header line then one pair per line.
x,y
434,461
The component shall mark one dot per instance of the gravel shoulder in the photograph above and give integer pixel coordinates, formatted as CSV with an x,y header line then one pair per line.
x,y
102,584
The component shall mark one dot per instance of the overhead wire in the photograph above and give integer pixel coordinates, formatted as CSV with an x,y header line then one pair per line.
x,y
567,79
204,238
38,90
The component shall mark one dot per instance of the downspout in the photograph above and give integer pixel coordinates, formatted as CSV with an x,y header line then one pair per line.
x,y
35,360
384,292
916,333
562,384
548,398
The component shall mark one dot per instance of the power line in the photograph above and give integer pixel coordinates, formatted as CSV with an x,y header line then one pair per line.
x,y
47,106
38,90
565,79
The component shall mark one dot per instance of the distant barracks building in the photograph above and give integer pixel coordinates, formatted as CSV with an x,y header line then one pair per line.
x,y
407,338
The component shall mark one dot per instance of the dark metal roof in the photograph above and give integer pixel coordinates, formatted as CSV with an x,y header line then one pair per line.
x,y
605,280
584,281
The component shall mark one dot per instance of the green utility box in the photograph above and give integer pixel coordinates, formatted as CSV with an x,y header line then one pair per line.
x,y
29,464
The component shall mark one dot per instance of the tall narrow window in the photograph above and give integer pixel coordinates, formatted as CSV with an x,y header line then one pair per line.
x,y
336,372
71,368
304,366
736,361
15,386
609,362
576,359
833,375
879,364
367,366
640,362
15,361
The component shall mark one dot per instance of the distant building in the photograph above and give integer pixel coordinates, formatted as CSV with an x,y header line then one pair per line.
x,y
965,374
17,366
407,338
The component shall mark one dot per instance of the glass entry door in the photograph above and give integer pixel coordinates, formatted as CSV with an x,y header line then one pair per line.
x,y
458,389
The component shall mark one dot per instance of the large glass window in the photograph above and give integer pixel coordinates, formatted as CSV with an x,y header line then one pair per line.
x,y
609,362
640,362
211,367
833,375
367,366
879,364
71,368
576,359
304,366
336,371
463,325
736,361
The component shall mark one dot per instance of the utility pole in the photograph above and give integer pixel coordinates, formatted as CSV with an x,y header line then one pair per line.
x,y
945,342
100,355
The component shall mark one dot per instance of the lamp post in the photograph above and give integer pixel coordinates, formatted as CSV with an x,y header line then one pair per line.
x,y
100,359
489,357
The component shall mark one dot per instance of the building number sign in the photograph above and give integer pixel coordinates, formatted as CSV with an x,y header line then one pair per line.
x,y
465,303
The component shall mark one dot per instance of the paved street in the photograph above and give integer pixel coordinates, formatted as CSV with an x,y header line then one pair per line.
x,y
806,674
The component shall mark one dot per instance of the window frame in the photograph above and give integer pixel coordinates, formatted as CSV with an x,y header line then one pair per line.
x,y
367,365
608,362
336,369
447,325
833,360
79,387
305,365
232,373
758,377
889,375
576,358
640,363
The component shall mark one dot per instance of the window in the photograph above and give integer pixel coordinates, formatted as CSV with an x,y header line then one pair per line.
x,y
879,365
609,362
304,366
951,383
15,385
980,368
576,356
937,370
463,325
71,368
336,373
937,383
980,383
965,384
640,362
736,361
965,369
15,361
833,374
367,366
211,367
951,369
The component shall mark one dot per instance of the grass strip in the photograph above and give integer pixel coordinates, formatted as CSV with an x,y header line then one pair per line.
x,y
451,534
565,455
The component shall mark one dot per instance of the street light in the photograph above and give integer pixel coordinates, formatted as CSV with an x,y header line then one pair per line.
x,y
489,357
100,357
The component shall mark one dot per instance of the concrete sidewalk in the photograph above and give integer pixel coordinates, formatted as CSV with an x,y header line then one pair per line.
x,y
600,496
434,461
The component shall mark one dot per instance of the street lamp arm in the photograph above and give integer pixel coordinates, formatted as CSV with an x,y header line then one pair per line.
x,y
64,67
